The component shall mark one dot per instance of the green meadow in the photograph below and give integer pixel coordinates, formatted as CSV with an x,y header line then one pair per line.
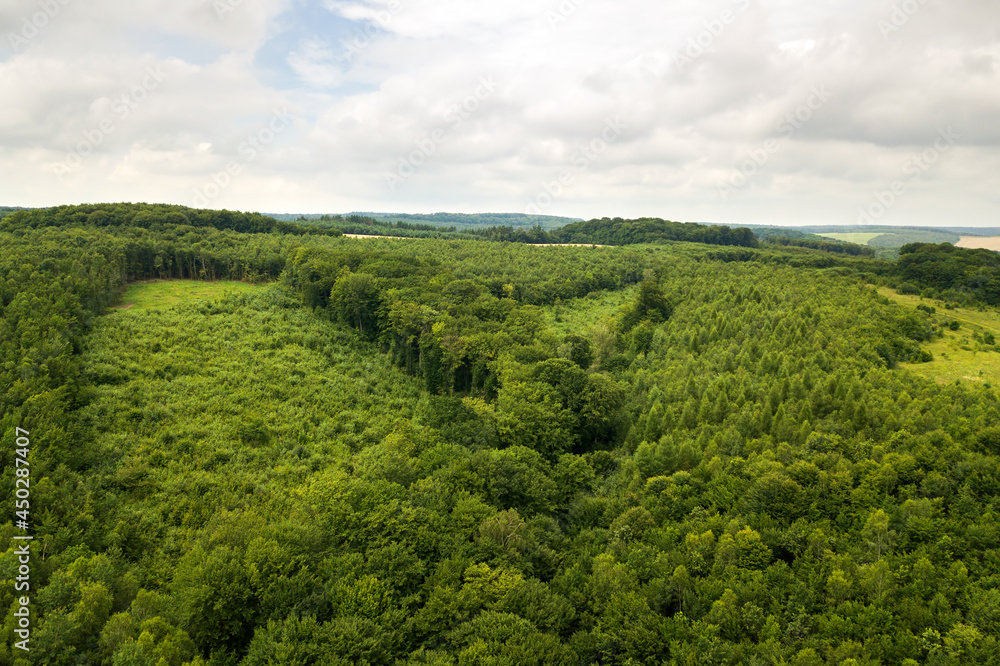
x,y
962,354
169,293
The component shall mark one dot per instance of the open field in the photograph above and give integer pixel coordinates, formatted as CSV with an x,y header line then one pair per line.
x,y
984,242
958,356
580,314
167,293
859,238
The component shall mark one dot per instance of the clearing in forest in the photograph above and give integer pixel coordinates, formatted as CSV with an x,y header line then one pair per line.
x,y
579,315
962,354
167,293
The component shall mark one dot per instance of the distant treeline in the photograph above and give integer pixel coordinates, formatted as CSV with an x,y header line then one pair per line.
x,y
950,272
824,245
150,215
764,233
362,224
607,231
476,220
897,239
9,210
459,221
891,236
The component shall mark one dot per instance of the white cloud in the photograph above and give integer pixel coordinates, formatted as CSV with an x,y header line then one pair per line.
x,y
562,69
317,65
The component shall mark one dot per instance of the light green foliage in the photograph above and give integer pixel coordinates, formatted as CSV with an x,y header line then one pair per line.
x,y
165,294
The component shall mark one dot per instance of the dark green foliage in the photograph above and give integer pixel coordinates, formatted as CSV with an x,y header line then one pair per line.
x,y
837,247
148,216
625,232
579,350
651,230
650,305
438,225
356,299
952,271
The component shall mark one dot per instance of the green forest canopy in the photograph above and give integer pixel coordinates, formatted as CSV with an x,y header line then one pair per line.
x,y
382,454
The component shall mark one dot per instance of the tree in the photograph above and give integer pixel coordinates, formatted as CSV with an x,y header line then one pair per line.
x,y
751,552
357,300
531,414
578,350
877,534
649,305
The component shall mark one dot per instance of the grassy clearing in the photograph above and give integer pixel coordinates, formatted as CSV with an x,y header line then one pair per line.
x,y
859,238
580,314
161,294
958,356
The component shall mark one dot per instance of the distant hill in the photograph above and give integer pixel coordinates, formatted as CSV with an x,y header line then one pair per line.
x,y
650,230
143,215
885,240
459,221
888,237
9,210
976,231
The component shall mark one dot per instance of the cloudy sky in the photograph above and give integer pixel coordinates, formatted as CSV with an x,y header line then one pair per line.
x,y
734,111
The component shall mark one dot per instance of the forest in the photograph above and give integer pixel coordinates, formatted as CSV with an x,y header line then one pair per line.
x,y
542,230
690,448
825,245
617,231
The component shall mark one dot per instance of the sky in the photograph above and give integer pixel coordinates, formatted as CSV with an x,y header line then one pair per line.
x,y
727,111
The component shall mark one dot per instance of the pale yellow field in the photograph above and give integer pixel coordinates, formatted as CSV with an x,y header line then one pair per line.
x,y
983,242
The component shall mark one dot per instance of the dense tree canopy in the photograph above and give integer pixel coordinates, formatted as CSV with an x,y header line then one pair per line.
x,y
951,270
624,232
151,215
468,452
